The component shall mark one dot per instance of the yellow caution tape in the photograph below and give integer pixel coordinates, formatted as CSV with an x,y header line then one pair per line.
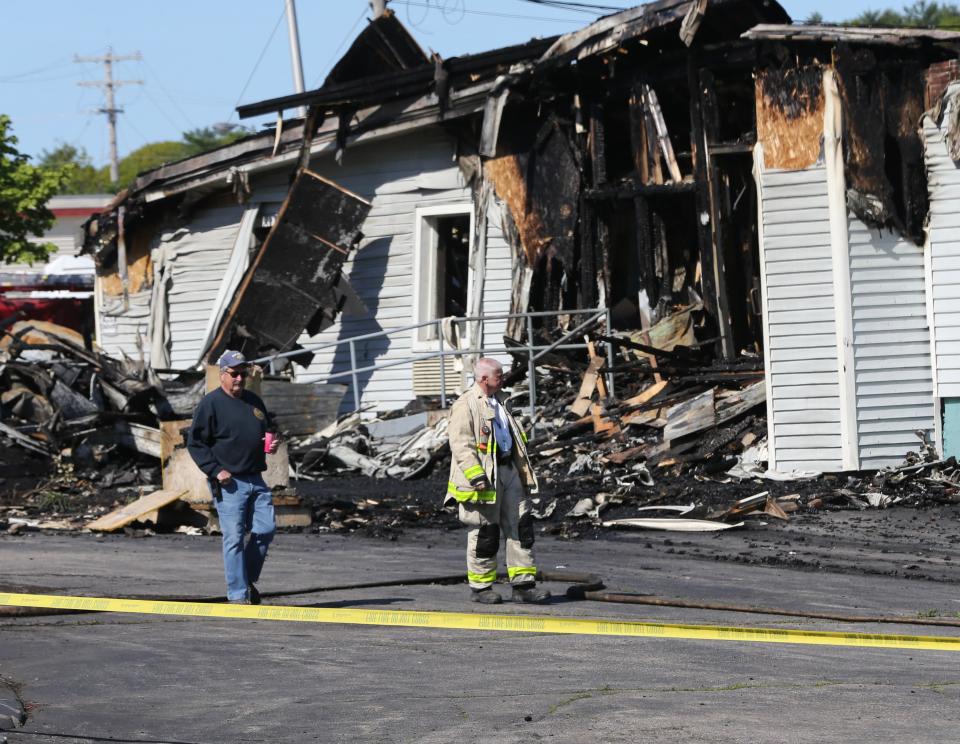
x,y
483,621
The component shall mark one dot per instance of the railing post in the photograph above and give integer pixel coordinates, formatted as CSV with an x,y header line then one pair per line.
x,y
609,357
443,366
353,374
531,376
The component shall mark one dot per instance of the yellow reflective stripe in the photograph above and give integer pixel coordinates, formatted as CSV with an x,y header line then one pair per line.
x,y
520,571
523,437
485,578
470,494
473,471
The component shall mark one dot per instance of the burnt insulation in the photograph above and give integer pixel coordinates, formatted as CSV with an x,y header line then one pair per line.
x,y
883,153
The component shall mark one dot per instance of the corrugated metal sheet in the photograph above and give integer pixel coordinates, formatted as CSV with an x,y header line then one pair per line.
x,y
943,233
801,360
891,345
398,176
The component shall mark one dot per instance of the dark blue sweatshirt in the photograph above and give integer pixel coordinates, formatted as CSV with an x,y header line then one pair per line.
x,y
227,433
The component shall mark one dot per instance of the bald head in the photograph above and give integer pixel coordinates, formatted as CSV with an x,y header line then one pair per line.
x,y
489,375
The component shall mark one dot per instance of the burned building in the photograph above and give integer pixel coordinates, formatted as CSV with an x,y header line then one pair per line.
x,y
844,210
702,155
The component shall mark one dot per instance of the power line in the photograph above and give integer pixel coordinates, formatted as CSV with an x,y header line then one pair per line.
x,y
576,6
170,98
135,129
32,81
333,57
64,62
259,60
162,110
434,6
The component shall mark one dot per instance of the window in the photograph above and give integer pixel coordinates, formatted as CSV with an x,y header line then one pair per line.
x,y
441,282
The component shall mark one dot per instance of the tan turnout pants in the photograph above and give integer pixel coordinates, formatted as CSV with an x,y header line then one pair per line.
x,y
509,515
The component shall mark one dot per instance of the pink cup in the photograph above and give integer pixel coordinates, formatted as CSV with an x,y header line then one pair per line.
x,y
268,441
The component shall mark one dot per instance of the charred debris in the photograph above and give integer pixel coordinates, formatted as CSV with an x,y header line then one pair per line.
x,y
624,151
624,154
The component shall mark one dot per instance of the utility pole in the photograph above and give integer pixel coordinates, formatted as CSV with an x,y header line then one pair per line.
x,y
296,61
109,84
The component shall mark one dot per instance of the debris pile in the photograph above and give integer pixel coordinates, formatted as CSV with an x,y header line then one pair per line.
x,y
665,437
60,398
678,441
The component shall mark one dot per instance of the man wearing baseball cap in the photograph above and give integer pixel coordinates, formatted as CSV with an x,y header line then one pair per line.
x,y
230,433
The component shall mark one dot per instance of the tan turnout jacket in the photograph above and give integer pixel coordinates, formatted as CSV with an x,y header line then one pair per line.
x,y
474,446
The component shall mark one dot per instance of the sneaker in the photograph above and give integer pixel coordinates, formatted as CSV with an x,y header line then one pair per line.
x,y
254,595
485,596
530,594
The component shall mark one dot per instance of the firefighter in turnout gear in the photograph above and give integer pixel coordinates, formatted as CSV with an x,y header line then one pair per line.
x,y
491,479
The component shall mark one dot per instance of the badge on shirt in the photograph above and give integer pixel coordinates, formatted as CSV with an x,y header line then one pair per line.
x,y
258,413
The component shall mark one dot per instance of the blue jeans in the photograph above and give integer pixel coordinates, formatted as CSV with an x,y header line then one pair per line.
x,y
245,505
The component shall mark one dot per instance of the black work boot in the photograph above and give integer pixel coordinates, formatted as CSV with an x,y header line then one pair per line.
x,y
254,595
485,596
530,594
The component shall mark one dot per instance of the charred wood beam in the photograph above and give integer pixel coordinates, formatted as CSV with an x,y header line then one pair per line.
x,y
632,189
638,135
686,356
720,218
678,374
733,148
645,249
379,88
589,294
669,67
712,278
597,144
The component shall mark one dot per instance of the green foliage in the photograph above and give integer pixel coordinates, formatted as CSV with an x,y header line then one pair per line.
x,y
82,176
920,14
210,138
24,192
149,157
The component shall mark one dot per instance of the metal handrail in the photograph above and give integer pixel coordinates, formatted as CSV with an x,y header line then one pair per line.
x,y
534,352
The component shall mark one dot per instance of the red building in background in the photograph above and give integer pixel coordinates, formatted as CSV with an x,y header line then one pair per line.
x,y
60,290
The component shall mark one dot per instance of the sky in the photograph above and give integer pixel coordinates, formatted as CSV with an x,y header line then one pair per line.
x,y
201,58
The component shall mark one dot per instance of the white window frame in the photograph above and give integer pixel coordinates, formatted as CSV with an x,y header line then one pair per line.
x,y
424,247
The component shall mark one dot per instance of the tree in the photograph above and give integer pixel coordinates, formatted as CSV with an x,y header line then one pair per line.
x,y
920,14
814,17
210,138
82,176
24,192
149,157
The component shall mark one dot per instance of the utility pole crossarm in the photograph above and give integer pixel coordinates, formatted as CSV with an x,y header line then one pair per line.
x,y
109,85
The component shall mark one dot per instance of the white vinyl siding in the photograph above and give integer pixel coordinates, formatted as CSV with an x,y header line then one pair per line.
x,y
199,255
943,237
498,283
399,176
891,345
125,331
801,360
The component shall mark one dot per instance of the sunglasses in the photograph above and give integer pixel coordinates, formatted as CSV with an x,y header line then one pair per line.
x,y
236,373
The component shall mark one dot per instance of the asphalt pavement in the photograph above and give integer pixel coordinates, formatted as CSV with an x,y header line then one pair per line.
x,y
136,678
